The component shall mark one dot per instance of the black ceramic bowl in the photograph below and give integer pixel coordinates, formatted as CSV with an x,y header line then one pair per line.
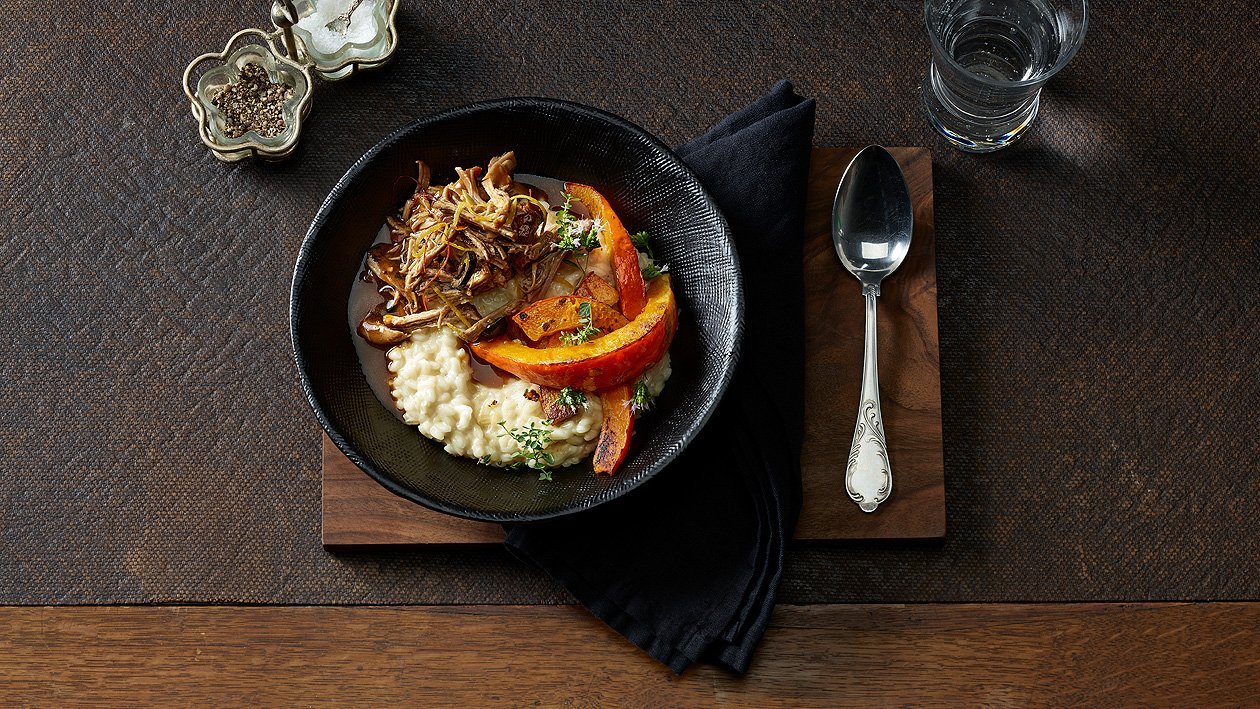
x,y
650,189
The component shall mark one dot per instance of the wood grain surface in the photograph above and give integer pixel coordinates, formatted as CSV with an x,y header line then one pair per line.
x,y
357,511
909,370
947,655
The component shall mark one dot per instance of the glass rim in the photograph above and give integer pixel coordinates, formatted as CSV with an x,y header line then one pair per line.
x,y
1064,58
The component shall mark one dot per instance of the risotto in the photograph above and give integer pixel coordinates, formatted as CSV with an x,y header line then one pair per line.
x,y
433,386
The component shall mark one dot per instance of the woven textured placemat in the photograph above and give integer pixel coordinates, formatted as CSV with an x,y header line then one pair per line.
x,y
1098,291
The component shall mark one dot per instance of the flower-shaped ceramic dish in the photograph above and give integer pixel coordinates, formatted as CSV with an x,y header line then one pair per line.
x,y
225,69
649,187
335,63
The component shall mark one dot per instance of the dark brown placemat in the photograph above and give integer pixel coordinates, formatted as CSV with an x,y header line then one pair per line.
x,y
1098,289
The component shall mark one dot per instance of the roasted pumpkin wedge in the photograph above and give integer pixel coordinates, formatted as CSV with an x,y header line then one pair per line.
x,y
603,362
566,312
615,238
614,435
592,286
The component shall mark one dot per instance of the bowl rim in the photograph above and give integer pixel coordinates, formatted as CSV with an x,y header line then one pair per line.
x,y
305,254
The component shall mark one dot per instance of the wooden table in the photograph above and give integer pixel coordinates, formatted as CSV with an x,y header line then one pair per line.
x,y
1100,412
1175,654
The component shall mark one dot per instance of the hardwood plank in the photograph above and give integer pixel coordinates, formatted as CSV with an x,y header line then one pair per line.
x,y
357,511
909,369
845,655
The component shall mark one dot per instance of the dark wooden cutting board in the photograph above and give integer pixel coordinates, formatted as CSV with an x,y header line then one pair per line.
x,y
359,512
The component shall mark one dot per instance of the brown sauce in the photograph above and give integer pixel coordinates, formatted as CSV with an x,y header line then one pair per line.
x,y
485,373
373,360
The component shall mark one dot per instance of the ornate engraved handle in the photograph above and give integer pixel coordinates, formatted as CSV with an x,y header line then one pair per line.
x,y
868,477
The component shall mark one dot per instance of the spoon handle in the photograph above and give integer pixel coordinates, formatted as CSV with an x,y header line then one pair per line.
x,y
868,477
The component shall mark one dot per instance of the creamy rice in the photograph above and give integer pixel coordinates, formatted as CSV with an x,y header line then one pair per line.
x,y
432,384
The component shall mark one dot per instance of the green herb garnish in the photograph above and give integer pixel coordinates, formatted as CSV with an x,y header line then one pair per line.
x,y
580,335
642,242
652,270
573,237
533,441
571,398
583,333
641,398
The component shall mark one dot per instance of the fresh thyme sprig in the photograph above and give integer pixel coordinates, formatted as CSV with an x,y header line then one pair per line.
x,y
641,398
572,236
583,333
571,398
580,335
643,243
532,441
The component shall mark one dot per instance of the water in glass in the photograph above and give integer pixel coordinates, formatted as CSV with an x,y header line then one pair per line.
x,y
990,59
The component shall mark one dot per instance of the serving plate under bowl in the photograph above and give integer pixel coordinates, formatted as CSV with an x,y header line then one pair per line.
x,y
648,186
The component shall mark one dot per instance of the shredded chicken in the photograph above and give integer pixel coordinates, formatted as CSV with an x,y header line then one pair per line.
x,y
451,243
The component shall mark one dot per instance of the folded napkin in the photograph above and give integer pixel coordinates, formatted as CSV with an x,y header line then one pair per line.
x,y
688,565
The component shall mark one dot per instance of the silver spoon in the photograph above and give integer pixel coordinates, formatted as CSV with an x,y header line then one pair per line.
x,y
341,23
871,225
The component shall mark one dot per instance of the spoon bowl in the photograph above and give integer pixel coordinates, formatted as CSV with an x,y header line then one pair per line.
x,y
872,219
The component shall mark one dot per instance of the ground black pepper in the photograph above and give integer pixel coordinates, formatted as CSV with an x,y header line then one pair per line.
x,y
253,103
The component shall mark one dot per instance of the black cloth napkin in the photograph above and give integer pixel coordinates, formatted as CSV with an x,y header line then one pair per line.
x,y
687,566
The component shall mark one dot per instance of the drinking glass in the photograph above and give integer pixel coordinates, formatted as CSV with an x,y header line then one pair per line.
x,y
990,59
